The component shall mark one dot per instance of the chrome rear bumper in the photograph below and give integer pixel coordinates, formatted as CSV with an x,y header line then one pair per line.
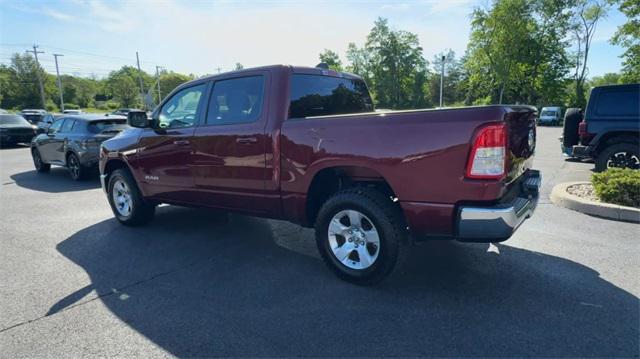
x,y
498,222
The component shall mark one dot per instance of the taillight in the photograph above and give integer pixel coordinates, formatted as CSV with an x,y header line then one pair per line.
x,y
488,154
582,128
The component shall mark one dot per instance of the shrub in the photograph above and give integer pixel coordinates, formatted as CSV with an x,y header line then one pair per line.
x,y
619,186
71,106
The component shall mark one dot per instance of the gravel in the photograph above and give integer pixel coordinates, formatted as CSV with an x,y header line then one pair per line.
x,y
583,190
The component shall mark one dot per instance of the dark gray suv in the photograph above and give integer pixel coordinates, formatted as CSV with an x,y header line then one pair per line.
x,y
74,142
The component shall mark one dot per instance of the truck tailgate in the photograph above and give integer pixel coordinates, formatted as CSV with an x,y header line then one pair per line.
x,y
521,125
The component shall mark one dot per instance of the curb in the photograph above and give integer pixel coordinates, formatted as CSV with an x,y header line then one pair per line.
x,y
562,198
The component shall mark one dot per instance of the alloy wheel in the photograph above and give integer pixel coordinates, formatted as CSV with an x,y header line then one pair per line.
x,y
122,198
624,159
354,239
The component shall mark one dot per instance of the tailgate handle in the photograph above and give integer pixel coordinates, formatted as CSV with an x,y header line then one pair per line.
x,y
246,140
181,142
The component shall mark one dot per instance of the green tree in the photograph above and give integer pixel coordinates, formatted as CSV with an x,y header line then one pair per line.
x,y
587,14
628,36
453,74
171,80
239,66
332,59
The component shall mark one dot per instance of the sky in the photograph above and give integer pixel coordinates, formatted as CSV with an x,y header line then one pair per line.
x,y
205,37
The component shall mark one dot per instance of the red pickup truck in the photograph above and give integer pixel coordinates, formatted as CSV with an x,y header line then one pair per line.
x,y
305,145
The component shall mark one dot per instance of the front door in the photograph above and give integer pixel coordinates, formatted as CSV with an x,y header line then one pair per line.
x,y
165,151
230,146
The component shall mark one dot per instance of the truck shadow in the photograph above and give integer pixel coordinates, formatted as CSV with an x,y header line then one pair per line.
x,y
58,180
241,286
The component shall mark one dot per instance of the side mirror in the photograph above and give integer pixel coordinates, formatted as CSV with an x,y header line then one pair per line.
x,y
138,119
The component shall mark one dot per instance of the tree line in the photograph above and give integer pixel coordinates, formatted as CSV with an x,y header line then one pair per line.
x,y
520,51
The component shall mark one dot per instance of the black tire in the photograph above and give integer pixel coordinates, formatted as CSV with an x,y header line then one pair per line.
x,y
572,118
387,219
623,154
37,162
141,211
76,169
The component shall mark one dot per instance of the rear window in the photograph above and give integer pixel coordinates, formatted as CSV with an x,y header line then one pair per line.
x,y
548,113
13,120
99,126
315,95
33,118
621,102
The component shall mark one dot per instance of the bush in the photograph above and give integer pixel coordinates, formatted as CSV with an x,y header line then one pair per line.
x,y
71,106
619,186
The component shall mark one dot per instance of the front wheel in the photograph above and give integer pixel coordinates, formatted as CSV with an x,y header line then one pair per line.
x,y
361,235
621,155
126,201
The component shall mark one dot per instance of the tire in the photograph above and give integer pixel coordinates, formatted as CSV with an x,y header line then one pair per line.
x,y
76,169
123,188
377,214
623,154
40,166
572,118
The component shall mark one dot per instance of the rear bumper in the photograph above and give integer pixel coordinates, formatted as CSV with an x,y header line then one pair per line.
x,y
498,222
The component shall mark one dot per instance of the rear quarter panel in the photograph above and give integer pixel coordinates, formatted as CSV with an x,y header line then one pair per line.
x,y
421,154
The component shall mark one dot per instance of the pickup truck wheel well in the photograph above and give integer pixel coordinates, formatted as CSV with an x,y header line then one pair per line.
x,y
331,180
113,165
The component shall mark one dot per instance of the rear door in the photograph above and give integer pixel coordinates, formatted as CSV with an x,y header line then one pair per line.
x,y
165,152
229,146
48,146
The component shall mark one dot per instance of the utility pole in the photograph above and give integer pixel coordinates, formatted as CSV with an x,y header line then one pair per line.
x,y
55,56
441,80
218,69
158,78
140,79
35,54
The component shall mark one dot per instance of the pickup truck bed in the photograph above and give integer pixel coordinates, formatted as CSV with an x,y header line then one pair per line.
x,y
304,145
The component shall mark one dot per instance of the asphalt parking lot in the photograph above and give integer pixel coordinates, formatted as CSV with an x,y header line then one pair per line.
x,y
73,282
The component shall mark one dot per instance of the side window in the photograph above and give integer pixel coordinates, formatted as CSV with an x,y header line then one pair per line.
x,y
236,101
618,103
315,95
56,126
67,126
182,109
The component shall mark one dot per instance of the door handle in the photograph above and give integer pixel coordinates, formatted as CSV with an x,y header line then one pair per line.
x,y
181,142
246,140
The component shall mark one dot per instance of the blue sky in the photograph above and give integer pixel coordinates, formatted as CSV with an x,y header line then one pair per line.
x,y
97,36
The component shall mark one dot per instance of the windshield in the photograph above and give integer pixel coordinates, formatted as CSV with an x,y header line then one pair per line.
x,y
13,120
33,118
99,126
548,113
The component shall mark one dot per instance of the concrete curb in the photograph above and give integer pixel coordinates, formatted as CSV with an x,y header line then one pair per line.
x,y
561,197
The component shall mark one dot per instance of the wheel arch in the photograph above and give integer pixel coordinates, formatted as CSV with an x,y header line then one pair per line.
x,y
613,137
329,180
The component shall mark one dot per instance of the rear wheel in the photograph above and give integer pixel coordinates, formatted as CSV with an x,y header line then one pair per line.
x,y
37,161
76,169
127,203
361,235
619,155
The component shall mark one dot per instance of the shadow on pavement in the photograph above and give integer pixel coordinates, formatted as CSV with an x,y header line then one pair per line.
x,y
198,284
56,181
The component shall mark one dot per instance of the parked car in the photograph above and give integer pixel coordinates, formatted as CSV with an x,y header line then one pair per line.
x,y
72,112
74,142
609,131
550,116
33,115
305,145
15,129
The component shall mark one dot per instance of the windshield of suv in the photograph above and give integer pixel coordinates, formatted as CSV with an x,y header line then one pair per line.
x,y
13,120
99,126
548,113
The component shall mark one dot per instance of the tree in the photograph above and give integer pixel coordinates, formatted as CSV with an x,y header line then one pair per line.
x,y
586,17
122,86
332,59
239,66
628,36
171,80
453,73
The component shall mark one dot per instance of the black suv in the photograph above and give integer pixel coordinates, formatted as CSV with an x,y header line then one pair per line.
x,y
74,142
609,131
